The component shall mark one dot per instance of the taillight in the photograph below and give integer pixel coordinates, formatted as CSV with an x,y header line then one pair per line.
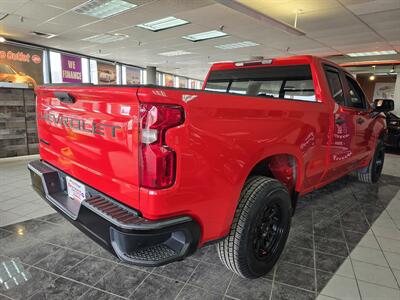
x,y
158,161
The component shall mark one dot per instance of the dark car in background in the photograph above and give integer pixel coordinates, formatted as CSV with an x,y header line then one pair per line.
x,y
393,124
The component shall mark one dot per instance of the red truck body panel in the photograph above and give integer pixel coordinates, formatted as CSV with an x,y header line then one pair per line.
x,y
223,137
78,138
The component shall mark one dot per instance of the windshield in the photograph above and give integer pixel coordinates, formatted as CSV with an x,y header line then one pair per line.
x,y
283,82
6,69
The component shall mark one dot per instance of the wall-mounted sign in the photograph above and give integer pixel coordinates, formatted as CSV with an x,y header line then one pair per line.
x,y
71,67
183,82
132,75
21,65
169,80
384,90
107,73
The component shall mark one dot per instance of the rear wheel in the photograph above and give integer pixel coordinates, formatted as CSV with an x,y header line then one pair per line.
x,y
373,172
259,230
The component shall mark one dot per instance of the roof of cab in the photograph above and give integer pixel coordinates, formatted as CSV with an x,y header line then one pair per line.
x,y
279,61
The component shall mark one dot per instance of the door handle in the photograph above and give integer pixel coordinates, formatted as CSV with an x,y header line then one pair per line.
x,y
339,121
360,121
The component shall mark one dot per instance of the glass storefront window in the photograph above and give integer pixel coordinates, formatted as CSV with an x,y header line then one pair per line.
x,y
85,70
93,71
55,67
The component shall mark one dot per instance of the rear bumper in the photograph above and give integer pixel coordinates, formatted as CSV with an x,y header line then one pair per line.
x,y
118,228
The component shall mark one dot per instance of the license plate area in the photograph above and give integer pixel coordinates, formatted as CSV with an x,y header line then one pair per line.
x,y
76,190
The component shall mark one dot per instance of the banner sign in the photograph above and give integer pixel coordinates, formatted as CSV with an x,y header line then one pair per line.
x,y
132,75
183,82
71,67
169,80
21,65
106,73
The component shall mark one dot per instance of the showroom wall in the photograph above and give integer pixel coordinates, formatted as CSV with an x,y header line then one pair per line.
x,y
43,65
22,67
382,85
18,133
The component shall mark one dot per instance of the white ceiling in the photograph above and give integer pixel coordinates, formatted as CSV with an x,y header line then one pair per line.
x,y
332,27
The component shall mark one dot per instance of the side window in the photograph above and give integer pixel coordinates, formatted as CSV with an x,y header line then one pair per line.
x,y
299,89
269,89
279,82
356,95
335,86
239,87
218,86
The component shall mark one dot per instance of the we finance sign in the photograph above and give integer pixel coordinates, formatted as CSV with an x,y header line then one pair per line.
x,y
71,67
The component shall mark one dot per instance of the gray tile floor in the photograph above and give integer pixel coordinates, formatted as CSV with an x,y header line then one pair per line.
x,y
17,202
340,234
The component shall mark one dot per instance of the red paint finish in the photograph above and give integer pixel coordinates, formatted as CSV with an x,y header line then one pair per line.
x,y
79,138
222,138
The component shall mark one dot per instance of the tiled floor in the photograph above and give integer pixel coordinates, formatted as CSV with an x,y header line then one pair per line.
x,y
17,202
344,244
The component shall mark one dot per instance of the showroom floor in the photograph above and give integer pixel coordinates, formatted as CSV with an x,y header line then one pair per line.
x,y
344,244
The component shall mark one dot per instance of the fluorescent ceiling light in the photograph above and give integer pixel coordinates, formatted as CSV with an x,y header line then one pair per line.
x,y
235,5
105,38
162,24
103,8
371,53
175,53
237,45
205,35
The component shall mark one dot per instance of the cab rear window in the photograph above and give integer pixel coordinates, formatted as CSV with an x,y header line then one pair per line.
x,y
281,82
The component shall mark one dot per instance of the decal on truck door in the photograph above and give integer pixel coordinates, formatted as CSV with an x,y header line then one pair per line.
x,y
187,98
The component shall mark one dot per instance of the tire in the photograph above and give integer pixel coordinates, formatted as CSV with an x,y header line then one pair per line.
x,y
254,244
372,173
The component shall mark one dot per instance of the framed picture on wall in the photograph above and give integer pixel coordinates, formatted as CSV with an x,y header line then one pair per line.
x,y
384,90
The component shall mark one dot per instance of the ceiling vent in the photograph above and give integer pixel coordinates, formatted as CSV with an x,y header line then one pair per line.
x,y
3,15
43,34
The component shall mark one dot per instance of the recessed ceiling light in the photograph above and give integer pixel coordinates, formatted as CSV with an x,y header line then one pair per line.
x,y
2,39
103,8
105,38
371,53
197,37
162,24
237,45
175,53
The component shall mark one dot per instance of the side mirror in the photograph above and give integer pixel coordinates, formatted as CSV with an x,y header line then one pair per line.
x,y
383,105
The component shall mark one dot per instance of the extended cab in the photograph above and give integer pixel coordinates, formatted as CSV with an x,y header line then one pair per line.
x,y
153,173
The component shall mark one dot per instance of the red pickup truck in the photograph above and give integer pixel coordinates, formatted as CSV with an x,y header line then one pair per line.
x,y
153,173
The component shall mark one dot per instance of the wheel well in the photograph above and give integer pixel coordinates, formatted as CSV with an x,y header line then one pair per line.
x,y
282,167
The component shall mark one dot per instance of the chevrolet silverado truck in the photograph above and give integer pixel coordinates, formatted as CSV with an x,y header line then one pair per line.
x,y
154,173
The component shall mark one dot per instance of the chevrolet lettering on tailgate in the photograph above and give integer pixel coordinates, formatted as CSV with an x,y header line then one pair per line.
x,y
79,124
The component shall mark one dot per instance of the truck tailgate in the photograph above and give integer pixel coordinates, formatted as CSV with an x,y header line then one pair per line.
x,y
91,133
